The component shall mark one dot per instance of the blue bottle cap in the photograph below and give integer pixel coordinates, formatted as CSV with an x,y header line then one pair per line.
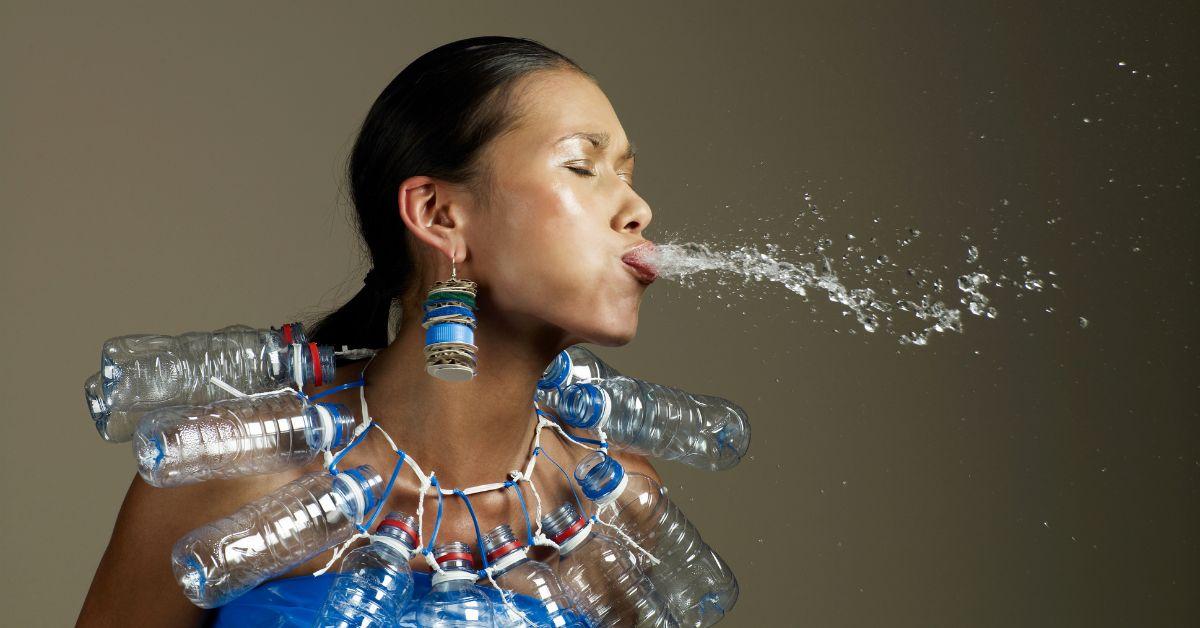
x,y
447,310
599,475
557,372
450,332
584,405
330,425
367,481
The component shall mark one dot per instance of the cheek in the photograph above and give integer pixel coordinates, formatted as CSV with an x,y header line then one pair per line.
x,y
545,254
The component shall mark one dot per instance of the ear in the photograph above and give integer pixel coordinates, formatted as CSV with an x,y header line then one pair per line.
x,y
431,211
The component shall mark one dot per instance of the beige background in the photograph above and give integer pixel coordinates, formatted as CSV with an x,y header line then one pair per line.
x,y
175,169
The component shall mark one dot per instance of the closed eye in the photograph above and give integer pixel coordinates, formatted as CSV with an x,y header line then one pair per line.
x,y
584,172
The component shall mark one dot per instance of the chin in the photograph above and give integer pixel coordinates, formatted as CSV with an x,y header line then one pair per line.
x,y
612,335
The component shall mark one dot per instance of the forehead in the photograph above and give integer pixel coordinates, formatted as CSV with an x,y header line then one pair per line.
x,y
559,103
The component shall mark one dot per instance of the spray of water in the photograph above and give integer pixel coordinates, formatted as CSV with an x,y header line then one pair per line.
x,y
684,262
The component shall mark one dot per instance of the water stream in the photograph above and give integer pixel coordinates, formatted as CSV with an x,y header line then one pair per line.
x,y
910,302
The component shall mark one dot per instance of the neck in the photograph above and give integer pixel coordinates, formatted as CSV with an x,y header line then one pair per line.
x,y
471,432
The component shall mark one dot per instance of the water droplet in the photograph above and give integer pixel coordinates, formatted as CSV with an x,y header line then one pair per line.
x,y
1083,322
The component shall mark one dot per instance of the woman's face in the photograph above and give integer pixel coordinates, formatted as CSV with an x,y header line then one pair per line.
x,y
563,211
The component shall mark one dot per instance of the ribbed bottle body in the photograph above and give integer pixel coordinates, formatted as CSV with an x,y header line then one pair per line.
x,y
660,421
546,602
696,583
225,558
374,585
150,370
609,588
456,604
180,445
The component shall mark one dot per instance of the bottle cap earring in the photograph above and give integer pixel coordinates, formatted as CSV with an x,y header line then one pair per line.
x,y
449,323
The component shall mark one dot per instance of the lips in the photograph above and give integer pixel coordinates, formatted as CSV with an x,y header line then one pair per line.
x,y
638,261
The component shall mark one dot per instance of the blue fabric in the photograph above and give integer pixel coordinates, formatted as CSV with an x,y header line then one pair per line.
x,y
295,602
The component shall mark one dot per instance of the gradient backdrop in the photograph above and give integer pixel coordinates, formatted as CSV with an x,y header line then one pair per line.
x,y
176,169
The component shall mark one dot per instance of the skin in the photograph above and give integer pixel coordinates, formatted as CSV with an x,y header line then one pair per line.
x,y
544,244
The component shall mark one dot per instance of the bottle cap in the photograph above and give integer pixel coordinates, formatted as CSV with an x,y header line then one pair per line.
x,y
362,485
584,405
601,477
454,556
292,332
557,372
400,526
564,525
315,363
449,332
500,542
334,423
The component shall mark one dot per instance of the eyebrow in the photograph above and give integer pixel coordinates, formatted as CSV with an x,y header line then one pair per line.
x,y
601,141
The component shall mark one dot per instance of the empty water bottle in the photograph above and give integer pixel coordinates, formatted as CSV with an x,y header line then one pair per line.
x,y
603,577
667,423
223,559
574,364
543,601
375,582
142,372
454,600
697,584
252,435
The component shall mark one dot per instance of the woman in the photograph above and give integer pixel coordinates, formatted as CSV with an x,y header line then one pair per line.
x,y
507,158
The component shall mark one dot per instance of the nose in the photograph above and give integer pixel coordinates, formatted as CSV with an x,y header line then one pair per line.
x,y
634,216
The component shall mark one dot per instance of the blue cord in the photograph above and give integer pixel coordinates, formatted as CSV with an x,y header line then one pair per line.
x,y
438,522
354,443
539,450
478,533
335,389
387,489
528,526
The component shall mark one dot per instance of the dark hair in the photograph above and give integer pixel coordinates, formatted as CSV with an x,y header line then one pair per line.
x,y
433,119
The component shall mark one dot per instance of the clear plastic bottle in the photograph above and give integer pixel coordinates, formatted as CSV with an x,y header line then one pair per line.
x,y
544,603
254,435
654,420
454,600
697,584
375,582
223,559
574,364
142,372
602,575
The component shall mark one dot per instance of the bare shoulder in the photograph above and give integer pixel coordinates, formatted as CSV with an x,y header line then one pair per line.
x,y
134,585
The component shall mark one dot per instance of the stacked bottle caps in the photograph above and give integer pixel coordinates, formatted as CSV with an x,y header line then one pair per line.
x,y
449,323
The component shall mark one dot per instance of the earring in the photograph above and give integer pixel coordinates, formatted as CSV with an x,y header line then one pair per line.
x,y
449,323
